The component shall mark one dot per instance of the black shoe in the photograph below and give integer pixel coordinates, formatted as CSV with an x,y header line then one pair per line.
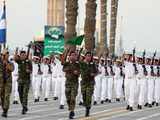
x,y
80,103
102,102
117,99
131,108
87,112
127,108
71,115
109,101
146,105
15,102
24,111
157,104
139,107
153,102
35,100
149,105
55,98
4,114
95,103
45,99
106,100
61,107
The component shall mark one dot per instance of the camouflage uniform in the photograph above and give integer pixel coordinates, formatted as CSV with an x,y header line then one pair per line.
x,y
24,70
71,85
87,82
5,87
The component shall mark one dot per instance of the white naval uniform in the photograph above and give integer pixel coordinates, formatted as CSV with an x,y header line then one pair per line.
x,y
110,80
36,80
150,82
130,83
118,81
14,82
141,85
97,85
55,80
46,80
103,84
61,80
157,87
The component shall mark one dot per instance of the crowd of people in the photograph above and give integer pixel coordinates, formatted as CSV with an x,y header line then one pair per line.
x,y
95,80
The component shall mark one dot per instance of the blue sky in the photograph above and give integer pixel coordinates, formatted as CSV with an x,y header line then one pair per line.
x,y
140,26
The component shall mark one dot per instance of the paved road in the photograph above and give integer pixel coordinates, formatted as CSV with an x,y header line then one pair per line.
x,y
108,111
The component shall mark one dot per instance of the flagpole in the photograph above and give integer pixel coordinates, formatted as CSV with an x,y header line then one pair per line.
x,y
4,45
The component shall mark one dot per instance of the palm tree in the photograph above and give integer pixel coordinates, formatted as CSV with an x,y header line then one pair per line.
x,y
103,27
90,25
71,21
114,8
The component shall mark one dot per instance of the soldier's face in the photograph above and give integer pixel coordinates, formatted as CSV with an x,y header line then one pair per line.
x,y
23,56
73,57
88,57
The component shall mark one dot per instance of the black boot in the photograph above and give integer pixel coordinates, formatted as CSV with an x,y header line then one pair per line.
x,y
61,107
87,112
157,104
71,115
146,105
95,103
153,103
45,99
127,108
139,106
109,101
117,99
102,102
15,102
149,105
55,98
4,114
106,100
24,110
131,108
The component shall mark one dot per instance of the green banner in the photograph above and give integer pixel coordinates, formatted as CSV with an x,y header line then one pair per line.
x,y
54,40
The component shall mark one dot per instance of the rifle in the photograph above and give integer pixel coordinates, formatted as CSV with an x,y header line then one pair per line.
x,y
152,70
79,54
144,67
28,50
134,64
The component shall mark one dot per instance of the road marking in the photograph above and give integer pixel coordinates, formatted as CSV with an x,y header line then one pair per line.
x,y
148,117
103,113
43,116
128,113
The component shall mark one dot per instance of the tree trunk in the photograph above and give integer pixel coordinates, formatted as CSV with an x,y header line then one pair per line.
x,y
103,29
71,21
114,8
90,25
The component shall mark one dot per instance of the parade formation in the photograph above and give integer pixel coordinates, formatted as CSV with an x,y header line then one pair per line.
x,y
130,78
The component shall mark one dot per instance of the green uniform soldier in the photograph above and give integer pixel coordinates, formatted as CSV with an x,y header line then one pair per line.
x,y
88,72
72,71
24,71
6,69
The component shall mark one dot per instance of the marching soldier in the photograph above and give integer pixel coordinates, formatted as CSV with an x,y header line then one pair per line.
x,y
141,81
72,71
24,71
36,78
14,81
88,73
157,82
110,80
6,69
46,77
119,76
